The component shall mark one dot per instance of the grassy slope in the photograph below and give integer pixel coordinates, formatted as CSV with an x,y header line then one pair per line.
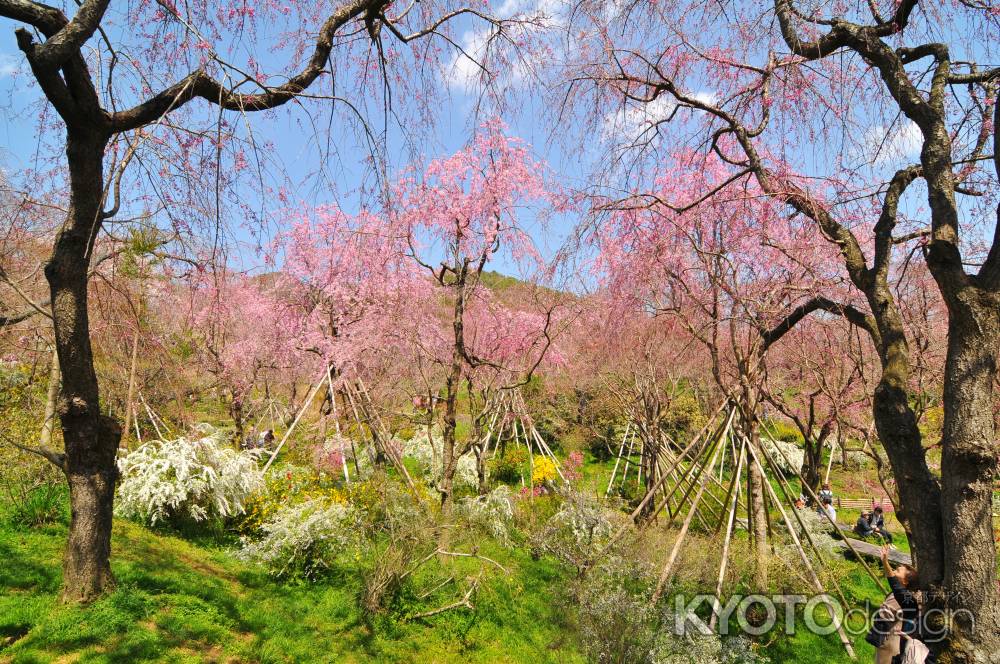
x,y
176,601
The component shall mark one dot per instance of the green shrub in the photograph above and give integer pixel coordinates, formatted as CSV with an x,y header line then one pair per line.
x,y
510,466
38,505
683,417
782,430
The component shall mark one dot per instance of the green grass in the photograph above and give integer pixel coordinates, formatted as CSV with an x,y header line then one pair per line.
x,y
176,601
806,647
182,596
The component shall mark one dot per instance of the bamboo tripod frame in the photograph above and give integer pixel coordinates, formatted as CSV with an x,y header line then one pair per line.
x,y
509,409
686,482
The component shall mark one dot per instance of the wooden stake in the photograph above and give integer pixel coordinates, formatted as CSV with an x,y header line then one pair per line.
x,y
716,604
669,567
294,422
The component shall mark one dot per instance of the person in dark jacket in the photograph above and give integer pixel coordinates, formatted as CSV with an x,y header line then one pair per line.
x,y
863,526
877,523
903,582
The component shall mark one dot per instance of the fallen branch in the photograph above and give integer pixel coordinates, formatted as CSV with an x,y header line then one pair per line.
x,y
464,602
474,554
428,593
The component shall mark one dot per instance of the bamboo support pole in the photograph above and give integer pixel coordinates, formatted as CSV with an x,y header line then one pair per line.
x,y
716,603
804,484
829,464
817,584
671,561
288,433
645,501
711,449
787,491
628,462
618,460
336,420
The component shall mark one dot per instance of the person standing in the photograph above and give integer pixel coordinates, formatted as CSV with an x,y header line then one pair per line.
x,y
825,493
884,633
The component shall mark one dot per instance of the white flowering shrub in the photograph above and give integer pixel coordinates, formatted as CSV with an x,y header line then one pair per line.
x,y
197,478
696,648
855,458
789,457
618,624
817,526
579,529
428,453
492,513
302,539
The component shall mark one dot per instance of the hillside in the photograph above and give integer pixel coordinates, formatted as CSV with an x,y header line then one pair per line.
x,y
177,601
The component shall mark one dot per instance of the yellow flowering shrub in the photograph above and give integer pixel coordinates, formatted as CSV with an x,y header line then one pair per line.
x,y
543,470
285,486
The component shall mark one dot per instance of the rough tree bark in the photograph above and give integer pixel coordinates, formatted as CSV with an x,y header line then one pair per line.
x,y
968,466
91,438
452,385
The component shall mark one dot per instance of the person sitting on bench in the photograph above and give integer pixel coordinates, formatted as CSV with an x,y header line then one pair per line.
x,y
877,523
828,507
864,527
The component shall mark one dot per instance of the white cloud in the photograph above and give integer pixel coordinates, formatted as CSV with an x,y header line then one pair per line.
x,y
707,97
900,142
9,65
635,123
465,71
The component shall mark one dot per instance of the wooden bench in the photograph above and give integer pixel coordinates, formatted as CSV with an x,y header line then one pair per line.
x,y
864,504
873,550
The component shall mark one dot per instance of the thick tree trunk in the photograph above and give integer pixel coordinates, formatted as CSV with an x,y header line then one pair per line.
x,y
449,462
236,412
968,469
919,507
919,492
650,450
813,463
91,439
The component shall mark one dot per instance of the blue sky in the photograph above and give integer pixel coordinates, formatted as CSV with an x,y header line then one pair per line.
x,y
298,155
